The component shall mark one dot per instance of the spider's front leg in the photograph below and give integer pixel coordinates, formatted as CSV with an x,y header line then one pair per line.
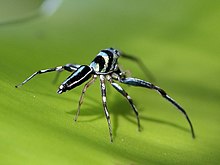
x,y
103,92
142,83
67,67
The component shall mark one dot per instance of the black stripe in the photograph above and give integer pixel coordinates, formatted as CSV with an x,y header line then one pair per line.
x,y
107,52
101,61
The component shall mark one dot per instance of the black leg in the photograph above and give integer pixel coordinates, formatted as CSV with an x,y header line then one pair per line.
x,y
59,68
141,65
103,91
82,95
142,83
125,94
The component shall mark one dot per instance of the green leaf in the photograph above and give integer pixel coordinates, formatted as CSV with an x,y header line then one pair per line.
x,y
177,40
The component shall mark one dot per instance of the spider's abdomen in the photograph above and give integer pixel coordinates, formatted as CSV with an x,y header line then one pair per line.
x,y
105,61
82,74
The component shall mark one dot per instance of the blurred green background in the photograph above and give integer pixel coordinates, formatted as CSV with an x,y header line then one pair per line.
x,y
177,40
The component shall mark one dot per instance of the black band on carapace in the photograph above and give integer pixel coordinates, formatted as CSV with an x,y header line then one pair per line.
x,y
101,61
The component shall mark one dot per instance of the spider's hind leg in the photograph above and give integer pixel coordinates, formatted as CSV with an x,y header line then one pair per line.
x,y
142,83
58,69
67,67
87,85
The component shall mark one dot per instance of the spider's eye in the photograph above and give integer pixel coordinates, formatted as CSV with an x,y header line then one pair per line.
x,y
117,52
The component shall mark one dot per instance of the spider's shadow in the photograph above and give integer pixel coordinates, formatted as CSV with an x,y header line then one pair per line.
x,y
118,108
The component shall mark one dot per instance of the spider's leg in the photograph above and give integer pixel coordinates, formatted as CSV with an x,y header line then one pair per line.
x,y
67,67
71,67
59,68
142,83
125,94
141,65
82,95
103,91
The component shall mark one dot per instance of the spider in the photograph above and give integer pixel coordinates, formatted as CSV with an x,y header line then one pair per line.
x,y
105,66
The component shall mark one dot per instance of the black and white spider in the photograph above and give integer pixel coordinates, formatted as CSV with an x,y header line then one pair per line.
x,y
105,66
